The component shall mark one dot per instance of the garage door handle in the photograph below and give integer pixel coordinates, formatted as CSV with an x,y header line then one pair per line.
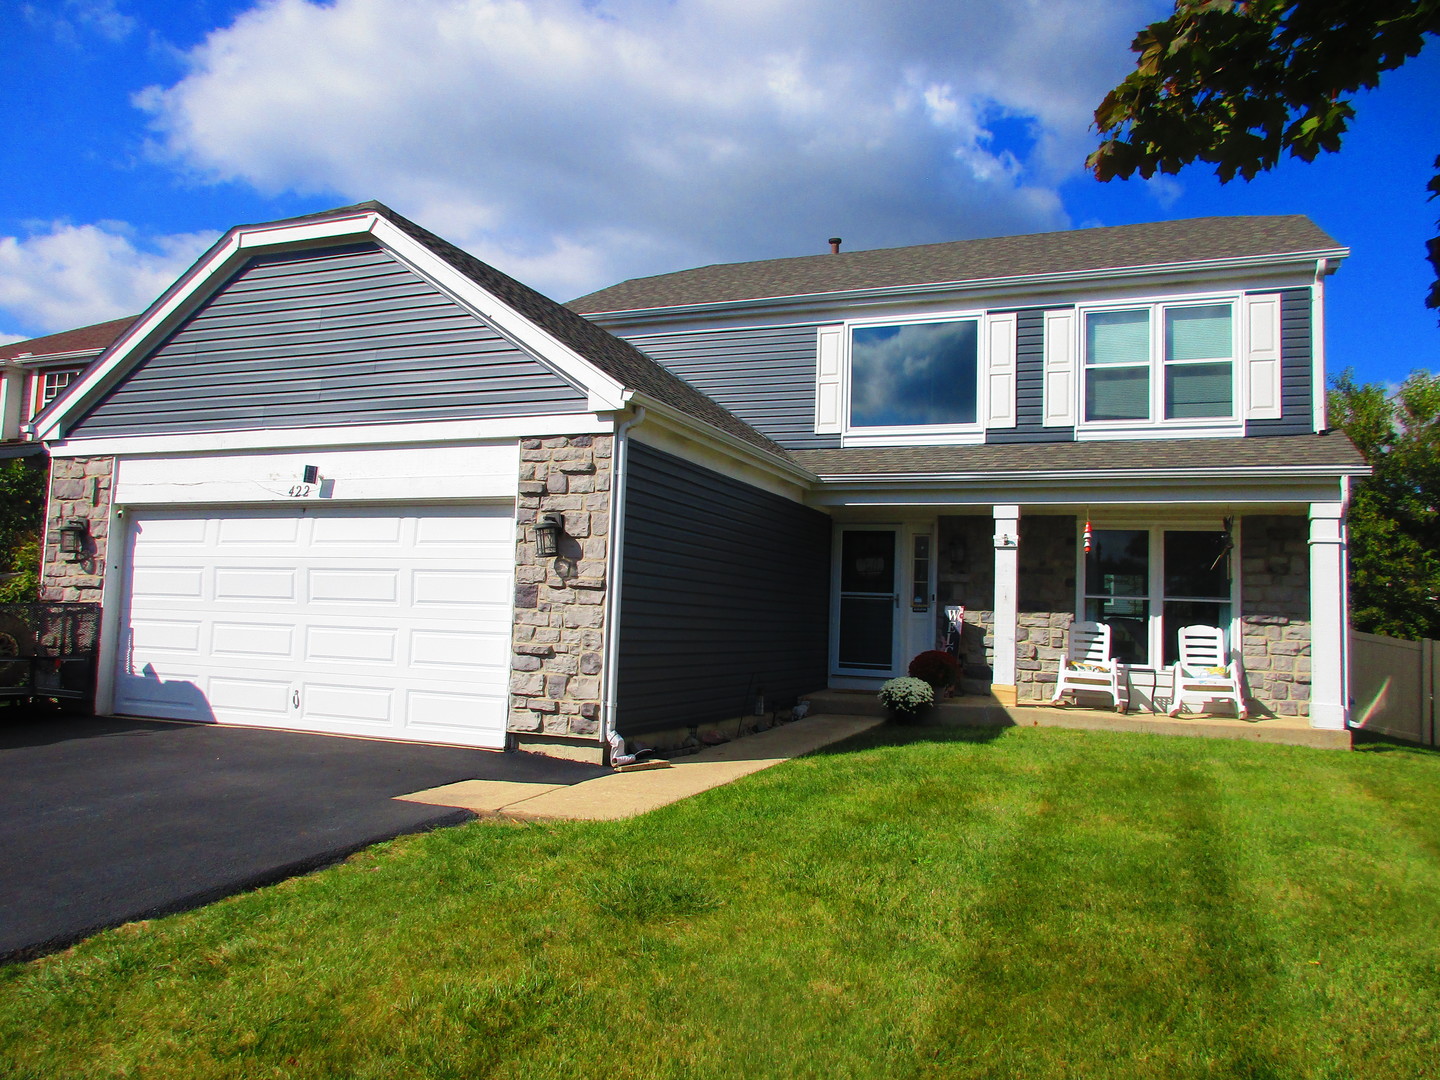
x,y
295,698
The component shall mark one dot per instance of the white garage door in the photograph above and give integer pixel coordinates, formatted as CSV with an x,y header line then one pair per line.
x,y
391,622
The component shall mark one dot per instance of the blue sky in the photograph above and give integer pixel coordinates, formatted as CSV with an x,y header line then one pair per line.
x,y
575,143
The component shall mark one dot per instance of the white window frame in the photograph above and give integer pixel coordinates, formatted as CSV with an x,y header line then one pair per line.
x,y
1155,595
1156,426
40,397
925,434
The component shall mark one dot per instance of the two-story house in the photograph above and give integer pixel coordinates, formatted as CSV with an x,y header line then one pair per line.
x,y
34,373
345,477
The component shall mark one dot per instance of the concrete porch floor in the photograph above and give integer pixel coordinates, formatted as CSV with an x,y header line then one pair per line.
x,y
976,710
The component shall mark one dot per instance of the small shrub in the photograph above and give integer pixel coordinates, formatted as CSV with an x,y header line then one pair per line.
x,y
937,668
905,697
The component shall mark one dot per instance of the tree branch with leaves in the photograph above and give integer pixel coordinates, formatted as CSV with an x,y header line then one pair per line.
x,y
1237,83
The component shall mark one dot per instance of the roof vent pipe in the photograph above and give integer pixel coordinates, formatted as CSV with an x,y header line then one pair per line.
x,y
834,245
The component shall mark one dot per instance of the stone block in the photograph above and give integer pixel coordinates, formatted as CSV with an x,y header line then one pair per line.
x,y
548,634
533,649
590,663
555,724
582,484
584,688
590,710
527,595
584,725
564,664
544,705
532,487
556,483
525,663
555,685
527,684
524,721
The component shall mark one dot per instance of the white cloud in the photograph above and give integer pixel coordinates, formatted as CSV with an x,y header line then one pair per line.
x,y
575,142
67,21
62,276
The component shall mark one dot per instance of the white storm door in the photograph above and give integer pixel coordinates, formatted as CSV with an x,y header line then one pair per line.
x,y
382,621
867,588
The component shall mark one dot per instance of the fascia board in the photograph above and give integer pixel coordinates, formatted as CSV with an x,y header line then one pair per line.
x,y
244,241
36,360
605,393
1121,477
713,436
1008,282
355,435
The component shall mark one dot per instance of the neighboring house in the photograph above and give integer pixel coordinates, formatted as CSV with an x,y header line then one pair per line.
x,y
34,373
306,483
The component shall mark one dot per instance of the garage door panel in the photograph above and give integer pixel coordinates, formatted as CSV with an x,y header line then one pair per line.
x,y
351,644
386,621
354,586
246,640
251,583
361,705
169,581
259,531
253,697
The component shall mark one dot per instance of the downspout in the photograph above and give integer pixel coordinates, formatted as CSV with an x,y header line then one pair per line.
x,y
1318,373
1345,491
614,564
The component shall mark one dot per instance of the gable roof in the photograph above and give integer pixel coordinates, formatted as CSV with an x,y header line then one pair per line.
x,y
613,359
94,338
1161,243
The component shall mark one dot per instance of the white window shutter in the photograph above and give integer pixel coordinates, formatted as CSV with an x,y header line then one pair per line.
x,y
1260,356
1000,362
1060,389
829,398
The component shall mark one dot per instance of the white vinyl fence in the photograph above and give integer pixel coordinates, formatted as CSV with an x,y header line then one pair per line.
x,y
1394,684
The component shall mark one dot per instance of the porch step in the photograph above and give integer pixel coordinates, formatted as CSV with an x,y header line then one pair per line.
x,y
977,710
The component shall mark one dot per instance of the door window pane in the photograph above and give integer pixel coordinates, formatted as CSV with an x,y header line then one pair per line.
x,y
1197,565
867,562
1178,613
866,628
914,374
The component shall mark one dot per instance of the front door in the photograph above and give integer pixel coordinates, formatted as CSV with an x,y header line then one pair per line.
x,y
869,602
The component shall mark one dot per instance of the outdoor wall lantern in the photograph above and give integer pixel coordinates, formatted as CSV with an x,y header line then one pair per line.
x,y
547,535
73,536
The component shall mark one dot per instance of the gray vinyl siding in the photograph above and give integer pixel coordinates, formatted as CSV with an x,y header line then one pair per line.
x,y
724,594
1030,386
1297,366
764,376
326,337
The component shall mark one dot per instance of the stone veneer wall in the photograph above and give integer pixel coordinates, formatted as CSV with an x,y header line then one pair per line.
x,y
1275,613
79,488
966,575
1046,603
558,637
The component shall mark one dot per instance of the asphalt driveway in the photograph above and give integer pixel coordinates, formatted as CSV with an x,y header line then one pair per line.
x,y
106,820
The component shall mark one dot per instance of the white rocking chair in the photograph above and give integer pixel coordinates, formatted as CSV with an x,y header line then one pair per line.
x,y
1088,666
1205,673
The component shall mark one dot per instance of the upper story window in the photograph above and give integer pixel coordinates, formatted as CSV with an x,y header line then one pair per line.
x,y
52,383
914,374
1160,362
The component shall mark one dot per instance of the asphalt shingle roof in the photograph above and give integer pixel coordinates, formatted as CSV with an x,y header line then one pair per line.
x,y
1116,247
83,339
1331,450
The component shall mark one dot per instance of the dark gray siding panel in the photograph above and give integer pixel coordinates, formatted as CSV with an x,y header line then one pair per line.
x,y
1296,366
764,376
725,593
1030,386
336,336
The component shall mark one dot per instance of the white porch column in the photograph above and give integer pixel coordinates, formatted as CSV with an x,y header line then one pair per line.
x,y
1007,577
12,405
1329,621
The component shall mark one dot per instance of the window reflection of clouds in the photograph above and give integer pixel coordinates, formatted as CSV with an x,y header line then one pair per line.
x,y
918,373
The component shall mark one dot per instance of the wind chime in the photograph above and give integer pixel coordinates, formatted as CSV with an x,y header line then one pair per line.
x,y
1088,536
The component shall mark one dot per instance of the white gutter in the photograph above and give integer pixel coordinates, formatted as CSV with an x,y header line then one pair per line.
x,y
615,562
1317,344
1278,472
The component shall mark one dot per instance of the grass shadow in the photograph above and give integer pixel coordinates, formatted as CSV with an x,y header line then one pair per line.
x,y
1367,742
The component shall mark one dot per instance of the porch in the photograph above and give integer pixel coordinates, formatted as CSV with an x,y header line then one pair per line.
x,y
984,710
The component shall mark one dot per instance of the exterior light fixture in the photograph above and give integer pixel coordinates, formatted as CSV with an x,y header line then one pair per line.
x,y
547,535
73,536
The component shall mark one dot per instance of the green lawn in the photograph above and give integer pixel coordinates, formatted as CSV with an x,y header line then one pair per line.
x,y
1026,904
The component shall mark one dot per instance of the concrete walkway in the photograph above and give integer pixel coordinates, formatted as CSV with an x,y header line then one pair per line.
x,y
638,790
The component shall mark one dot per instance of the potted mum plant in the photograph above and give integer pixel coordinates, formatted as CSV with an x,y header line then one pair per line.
x,y
906,698
939,669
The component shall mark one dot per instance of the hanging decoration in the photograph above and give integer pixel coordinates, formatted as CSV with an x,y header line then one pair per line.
x,y
1089,536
